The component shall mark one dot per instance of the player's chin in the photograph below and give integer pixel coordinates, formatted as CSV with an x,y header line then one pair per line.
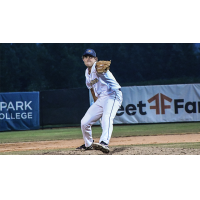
x,y
88,64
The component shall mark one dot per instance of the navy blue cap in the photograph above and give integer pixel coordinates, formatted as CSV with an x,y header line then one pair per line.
x,y
90,52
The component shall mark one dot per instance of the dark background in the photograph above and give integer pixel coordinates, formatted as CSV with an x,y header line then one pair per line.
x,y
64,107
50,66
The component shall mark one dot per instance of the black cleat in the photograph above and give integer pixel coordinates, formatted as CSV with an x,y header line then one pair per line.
x,y
82,147
102,147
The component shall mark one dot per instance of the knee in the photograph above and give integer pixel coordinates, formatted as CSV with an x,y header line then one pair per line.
x,y
84,124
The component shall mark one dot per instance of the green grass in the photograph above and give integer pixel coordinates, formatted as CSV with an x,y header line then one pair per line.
x,y
156,129
119,131
40,135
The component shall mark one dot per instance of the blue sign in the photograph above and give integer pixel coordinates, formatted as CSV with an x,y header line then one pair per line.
x,y
19,111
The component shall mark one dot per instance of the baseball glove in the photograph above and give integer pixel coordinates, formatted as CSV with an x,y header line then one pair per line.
x,y
103,66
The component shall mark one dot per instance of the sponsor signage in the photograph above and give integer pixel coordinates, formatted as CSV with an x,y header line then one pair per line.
x,y
19,111
163,103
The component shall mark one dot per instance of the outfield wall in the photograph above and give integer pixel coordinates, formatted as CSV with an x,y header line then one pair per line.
x,y
65,106
141,104
159,103
19,111
32,110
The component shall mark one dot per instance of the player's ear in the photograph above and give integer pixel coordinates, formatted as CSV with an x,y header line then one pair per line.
x,y
96,58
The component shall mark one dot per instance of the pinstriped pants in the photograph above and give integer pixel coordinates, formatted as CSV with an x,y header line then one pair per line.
x,y
105,108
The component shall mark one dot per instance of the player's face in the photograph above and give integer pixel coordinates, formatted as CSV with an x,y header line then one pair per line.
x,y
89,60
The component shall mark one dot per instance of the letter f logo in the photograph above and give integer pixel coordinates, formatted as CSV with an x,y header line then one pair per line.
x,y
157,103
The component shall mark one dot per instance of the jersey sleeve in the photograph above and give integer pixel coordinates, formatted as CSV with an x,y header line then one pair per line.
x,y
88,84
102,75
87,80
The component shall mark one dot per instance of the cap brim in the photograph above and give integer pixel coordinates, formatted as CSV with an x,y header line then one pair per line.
x,y
87,54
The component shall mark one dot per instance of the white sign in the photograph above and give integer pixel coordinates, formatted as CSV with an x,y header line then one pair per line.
x,y
159,103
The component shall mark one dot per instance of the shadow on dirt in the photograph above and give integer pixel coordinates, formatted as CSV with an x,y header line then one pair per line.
x,y
117,150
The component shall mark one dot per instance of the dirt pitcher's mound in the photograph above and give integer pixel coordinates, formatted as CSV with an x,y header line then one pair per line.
x,y
63,144
130,150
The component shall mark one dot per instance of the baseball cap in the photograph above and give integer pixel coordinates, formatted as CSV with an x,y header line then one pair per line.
x,y
90,52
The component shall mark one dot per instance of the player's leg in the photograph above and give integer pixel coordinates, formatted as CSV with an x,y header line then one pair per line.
x,y
111,106
93,114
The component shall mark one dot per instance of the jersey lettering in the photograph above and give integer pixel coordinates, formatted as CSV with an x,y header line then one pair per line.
x,y
94,81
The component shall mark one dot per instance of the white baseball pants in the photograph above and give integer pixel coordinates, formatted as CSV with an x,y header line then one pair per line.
x,y
105,108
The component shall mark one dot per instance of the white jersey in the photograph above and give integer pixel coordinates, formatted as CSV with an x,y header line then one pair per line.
x,y
103,84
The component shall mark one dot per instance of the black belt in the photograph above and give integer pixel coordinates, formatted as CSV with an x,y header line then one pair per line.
x,y
120,89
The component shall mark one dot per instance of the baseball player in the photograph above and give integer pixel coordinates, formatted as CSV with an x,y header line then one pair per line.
x,y
107,95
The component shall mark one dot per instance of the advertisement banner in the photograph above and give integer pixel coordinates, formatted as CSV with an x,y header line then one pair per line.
x,y
159,103
19,111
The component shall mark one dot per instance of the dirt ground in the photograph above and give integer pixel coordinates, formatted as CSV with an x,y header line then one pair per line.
x,y
118,146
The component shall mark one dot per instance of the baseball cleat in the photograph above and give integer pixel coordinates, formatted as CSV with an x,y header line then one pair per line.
x,y
102,147
82,147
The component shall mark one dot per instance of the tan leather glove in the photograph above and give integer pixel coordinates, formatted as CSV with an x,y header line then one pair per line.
x,y
103,66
